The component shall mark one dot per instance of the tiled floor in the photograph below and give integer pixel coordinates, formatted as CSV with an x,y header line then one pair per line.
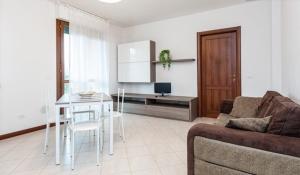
x,y
153,146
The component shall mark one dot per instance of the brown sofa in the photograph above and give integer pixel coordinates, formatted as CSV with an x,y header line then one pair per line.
x,y
217,150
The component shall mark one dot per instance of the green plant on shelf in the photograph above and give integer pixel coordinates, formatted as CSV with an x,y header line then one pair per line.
x,y
165,58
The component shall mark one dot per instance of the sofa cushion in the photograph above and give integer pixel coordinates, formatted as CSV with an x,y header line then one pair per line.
x,y
250,124
223,119
279,103
245,107
265,103
264,141
207,168
243,159
286,122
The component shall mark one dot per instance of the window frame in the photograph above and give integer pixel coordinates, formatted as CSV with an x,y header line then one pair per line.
x,y
60,81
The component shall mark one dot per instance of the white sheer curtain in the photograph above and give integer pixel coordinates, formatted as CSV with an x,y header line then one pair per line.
x,y
89,66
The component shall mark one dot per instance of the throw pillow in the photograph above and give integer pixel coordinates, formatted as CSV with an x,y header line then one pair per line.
x,y
223,119
286,122
265,103
250,124
245,107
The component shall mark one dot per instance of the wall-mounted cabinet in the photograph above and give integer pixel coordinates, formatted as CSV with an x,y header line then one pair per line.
x,y
135,62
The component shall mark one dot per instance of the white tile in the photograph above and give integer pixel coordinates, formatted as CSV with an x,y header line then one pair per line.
x,y
174,170
32,164
142,163
159,149
168,159
147,172
137,151
53,170
119,153
153,146
6,167
115,166
182,156
86,170
36,172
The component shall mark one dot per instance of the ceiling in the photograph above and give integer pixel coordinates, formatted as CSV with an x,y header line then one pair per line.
x,y
134,12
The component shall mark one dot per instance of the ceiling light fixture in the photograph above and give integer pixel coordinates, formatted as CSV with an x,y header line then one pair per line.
x,y
110,1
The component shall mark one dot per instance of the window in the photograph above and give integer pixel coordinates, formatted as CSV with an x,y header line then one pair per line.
x,y
62,54
66,59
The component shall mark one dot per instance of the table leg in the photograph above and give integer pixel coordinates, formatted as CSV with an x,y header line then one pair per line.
x,y
57,134
111,129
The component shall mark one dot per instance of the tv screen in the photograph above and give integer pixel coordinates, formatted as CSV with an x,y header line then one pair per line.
x,y
162,88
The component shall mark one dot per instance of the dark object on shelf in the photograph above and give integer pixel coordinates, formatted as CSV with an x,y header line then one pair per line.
x,y
162,88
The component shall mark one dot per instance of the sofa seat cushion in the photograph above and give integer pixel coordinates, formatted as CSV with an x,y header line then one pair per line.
x,y
265,103
245,107
264,141
243,159
223,119
250,124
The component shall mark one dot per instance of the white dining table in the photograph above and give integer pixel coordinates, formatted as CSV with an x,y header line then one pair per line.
x,y
76,100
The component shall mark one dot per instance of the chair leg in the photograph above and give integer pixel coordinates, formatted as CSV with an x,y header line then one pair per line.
x,y
102,137
94,118
65,129
73,149
46,137
98,148
123,129
119,123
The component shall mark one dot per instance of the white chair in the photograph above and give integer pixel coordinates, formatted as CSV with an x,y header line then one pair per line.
x,y
89,125
118,113
51,119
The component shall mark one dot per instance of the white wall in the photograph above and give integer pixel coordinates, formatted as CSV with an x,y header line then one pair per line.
x,y
28,61
1,94
179,35
115,39
276,65
291,48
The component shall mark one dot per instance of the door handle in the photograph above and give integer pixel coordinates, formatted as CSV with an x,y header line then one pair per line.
x,y
233,77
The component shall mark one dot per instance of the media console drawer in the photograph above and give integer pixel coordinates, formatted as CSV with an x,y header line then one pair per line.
x,y
170,107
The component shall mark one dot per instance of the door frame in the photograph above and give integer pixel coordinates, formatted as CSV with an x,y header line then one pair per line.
x,y
60,24
200,65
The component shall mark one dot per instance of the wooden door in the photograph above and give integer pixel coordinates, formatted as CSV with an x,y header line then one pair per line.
x,y
219,64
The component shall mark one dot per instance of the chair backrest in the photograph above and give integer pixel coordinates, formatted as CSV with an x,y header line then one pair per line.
x,y
72,108
122,93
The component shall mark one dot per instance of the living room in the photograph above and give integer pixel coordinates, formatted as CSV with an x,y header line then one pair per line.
x,y
210,67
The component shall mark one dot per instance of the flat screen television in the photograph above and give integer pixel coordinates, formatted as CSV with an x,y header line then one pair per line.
x,y
162,88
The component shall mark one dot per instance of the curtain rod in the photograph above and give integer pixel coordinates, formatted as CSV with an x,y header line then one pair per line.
x,y
84,11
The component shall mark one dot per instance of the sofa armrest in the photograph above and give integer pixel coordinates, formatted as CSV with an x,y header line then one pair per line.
x,y
263,141
226,106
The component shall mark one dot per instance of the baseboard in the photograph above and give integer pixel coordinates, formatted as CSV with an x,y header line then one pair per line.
x,y
25,131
